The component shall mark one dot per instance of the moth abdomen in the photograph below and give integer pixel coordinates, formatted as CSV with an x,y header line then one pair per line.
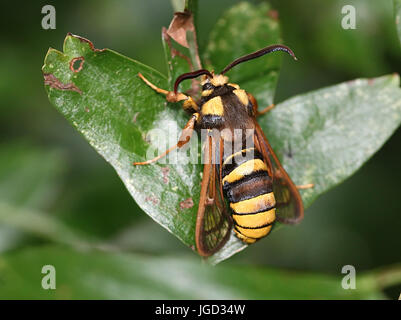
x,y
248,188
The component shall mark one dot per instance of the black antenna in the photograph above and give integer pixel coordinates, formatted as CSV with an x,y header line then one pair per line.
x,y
191,75
261,52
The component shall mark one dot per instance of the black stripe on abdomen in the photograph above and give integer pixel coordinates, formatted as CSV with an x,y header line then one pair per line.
x,y
249,187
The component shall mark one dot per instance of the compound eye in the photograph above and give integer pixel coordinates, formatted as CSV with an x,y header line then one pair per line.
x,y
207,86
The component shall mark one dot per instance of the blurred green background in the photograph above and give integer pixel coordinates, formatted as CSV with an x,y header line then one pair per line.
x,y
46,166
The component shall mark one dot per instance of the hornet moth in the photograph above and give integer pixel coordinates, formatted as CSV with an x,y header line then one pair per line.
x,y
244,186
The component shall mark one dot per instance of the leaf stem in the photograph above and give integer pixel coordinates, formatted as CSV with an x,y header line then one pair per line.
x,y
192,6
178,5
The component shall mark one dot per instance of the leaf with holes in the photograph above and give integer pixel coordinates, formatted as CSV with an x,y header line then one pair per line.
x,y
115,110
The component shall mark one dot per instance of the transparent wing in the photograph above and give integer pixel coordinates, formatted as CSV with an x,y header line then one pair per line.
x,y
213,222
289,207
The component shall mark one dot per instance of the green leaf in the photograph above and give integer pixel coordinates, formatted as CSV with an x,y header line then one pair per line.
x,y
100,275
397,14
243,29
114,112
324,136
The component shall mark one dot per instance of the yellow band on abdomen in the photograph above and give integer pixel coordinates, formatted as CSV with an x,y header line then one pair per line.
x,y
243,238
244,169
255,220
254,233
262,202
231,157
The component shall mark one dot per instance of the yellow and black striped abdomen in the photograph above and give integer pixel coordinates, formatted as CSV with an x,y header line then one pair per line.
x,y
248,188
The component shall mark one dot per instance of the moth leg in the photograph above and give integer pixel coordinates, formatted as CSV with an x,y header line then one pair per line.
x,y
185,137
265,110
305,186
256,112
172,96
279,175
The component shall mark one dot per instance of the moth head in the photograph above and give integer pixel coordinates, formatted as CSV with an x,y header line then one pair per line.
x,y
219,80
